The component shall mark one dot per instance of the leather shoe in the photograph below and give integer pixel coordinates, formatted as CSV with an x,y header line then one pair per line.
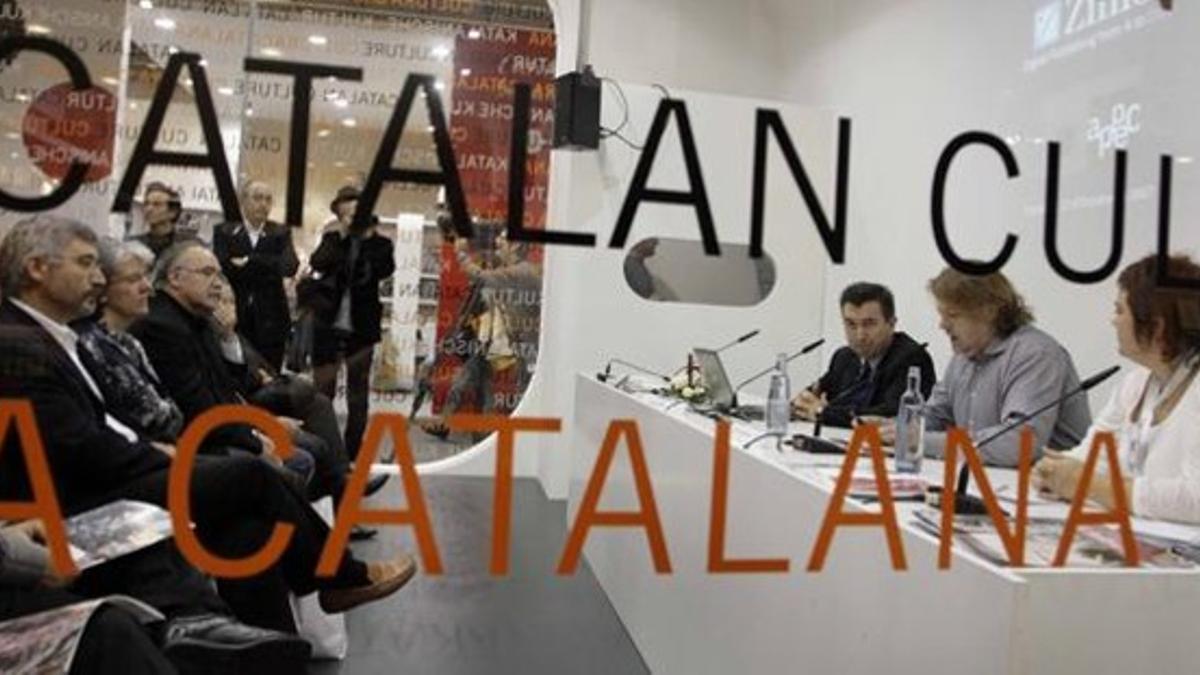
x,y
208,643
374,483
386,577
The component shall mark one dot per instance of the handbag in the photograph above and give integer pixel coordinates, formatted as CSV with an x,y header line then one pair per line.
x,y
325,632
317,293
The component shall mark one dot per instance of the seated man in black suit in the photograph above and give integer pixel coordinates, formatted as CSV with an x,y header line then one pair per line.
x,y
869,375
51,276
185,350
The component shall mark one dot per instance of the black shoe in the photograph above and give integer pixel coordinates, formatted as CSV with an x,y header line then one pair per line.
x,y
360,533
439,431
375,483
210,643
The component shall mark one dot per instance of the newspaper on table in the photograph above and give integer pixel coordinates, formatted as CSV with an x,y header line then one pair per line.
x,y
1093,545
114,530
46,642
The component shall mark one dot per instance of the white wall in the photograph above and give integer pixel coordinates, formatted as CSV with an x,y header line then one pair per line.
x,y
911,75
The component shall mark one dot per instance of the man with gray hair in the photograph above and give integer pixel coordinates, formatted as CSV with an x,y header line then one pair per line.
x,y
94,459
256,254
52,277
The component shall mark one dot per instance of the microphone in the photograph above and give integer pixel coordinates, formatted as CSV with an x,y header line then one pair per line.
x,y
803,350
970,504
603,377
720,349
738,341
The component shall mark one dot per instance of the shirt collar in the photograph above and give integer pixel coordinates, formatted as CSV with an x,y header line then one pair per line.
x,y
61,333
999,345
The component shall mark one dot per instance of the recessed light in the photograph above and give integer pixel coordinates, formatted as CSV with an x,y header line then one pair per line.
x,y
172,49
339,165
271,52
165,23
474,34
439,85
429,128
133,105
12,136
38,29
440,52
465,72
14,155
146,4
323,133
349,122
318,40
203,63
249,112
225,91
109,80
1184,160
23,98
341,103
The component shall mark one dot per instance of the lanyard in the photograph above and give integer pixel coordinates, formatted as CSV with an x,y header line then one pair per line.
x,y
1141,434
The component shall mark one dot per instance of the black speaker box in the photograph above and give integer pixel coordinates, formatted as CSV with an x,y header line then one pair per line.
x,y
577,111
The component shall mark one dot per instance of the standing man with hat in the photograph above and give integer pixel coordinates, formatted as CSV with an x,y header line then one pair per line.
x,y
350,262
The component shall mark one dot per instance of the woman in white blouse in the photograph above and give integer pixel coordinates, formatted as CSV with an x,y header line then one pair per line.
x,y
1155,412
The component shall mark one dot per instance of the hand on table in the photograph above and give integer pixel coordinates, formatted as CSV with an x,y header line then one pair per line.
x,y
808,405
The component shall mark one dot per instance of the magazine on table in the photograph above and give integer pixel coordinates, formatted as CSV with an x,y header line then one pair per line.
x,y
1093,545
864,486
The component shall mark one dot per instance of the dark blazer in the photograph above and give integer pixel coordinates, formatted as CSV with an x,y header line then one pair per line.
x,y
262,306
87,459
374,263
888,383
184,350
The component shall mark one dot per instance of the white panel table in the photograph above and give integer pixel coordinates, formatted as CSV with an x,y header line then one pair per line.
x,y
857,615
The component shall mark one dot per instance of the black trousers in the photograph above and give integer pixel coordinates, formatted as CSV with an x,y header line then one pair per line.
x,y
235,503
331,349
319,436
114,642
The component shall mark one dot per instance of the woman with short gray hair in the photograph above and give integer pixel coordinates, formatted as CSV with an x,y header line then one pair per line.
x,y
115,358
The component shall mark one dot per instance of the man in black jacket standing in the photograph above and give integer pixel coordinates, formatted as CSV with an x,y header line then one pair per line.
x,y
869,375
257,255
351,261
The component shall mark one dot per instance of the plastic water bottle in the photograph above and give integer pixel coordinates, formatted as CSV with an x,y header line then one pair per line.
x,y
779,399
910,426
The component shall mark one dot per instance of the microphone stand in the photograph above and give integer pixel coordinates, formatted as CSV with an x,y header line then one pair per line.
x,y
768,433
603,377
727,345
968,504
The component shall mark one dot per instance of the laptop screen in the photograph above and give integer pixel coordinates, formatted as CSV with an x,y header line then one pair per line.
x,y
719,389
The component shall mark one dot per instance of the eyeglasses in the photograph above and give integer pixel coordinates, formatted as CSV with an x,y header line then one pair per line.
x,y
135,278
209,272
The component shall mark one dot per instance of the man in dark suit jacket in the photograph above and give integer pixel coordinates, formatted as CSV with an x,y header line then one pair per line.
x,y
870,374
355,259
51,276
256,255
182,347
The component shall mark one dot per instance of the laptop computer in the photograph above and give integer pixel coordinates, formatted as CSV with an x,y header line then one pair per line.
x,y
720,391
